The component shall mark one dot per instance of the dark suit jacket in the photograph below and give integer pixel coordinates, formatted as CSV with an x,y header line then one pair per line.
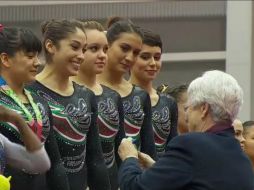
x,y
195,161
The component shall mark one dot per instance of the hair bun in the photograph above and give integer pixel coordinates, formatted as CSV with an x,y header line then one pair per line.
x,y
112,20
44,26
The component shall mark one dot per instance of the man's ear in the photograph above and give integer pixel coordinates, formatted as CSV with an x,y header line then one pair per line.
x,y
50,47
5,59
204,110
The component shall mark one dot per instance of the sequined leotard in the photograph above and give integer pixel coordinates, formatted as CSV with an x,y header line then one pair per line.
x,y
77,136
137,120
111,127
56,177
164,120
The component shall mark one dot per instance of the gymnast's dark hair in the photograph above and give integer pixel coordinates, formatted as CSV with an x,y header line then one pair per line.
x,y
151,39
117,25
57,30
175,92
14,39
247,124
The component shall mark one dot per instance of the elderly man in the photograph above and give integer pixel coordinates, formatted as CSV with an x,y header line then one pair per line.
x,y
207,158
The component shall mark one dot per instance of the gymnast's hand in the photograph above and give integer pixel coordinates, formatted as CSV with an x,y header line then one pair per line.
x,y
7,115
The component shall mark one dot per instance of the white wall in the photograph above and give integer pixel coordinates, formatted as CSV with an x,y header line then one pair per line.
x,y
191,34
239,58
188,35
179,35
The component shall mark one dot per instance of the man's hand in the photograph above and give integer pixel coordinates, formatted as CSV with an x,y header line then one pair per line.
x,y
127,149
145,160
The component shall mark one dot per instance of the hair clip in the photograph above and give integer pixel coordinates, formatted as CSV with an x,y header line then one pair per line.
x,y
1,27
164,87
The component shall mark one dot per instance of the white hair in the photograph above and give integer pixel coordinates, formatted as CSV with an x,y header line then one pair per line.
x,y
220,90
